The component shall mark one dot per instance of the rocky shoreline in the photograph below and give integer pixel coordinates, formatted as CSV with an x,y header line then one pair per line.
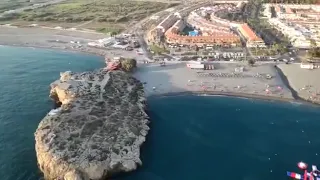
x,y
97,131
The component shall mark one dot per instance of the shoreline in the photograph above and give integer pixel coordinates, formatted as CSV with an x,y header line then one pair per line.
x,y
67,50
103,52
235,95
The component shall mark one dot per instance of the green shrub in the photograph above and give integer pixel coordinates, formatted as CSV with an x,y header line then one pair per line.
x,y
128,65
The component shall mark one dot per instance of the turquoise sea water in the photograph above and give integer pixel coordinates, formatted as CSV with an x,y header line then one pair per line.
x,y
191,137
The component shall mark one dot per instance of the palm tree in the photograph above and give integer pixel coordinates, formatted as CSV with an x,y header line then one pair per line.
x,y
251,62
275,47
313,44
313,51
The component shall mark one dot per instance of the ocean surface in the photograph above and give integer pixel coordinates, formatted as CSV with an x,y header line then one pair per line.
x,y
191,137
25,77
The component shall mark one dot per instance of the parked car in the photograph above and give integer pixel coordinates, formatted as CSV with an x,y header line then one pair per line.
x,y
129,48
136,44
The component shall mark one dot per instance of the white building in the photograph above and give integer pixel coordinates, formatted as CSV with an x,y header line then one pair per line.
x,y
179,25
307,66
167,23
295,24
107,41
297,35
267,12
241,4
200,65
195,66
95,44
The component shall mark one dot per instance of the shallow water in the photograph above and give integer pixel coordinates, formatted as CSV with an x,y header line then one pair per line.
x,y
191,137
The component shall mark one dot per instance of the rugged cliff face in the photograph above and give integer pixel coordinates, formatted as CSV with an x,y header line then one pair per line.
x,y
97,131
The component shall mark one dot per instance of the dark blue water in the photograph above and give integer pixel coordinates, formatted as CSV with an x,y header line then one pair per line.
x,y
206,138
191,137
25,76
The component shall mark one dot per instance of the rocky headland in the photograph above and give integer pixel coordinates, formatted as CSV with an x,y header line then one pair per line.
x,y
97,131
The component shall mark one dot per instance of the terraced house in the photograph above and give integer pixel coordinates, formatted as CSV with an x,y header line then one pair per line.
x,y
252,40
300,23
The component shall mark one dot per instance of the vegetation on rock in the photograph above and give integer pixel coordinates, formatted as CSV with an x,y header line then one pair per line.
x,y
128,65
98,130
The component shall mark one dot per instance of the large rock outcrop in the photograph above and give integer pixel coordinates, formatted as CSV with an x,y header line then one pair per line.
x,y
97,131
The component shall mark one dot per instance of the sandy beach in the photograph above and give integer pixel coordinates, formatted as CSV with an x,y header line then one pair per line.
x,y
61,40
176,77
47,38
305,82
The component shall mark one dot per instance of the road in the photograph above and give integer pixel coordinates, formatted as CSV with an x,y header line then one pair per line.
x,y
185,7
160,1
85,23
140,33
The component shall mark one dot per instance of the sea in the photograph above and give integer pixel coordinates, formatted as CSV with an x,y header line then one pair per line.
x,y
191,137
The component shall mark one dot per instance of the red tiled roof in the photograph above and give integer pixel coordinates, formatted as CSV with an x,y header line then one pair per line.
x,y
289,10
248,33
277,8
213,38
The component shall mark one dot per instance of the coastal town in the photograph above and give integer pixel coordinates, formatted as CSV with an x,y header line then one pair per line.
x,y
263,49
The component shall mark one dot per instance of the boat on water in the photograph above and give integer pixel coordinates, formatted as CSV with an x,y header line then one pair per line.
x,y
314,174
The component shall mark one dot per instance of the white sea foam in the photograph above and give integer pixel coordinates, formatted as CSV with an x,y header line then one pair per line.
x,y
54,111
296,103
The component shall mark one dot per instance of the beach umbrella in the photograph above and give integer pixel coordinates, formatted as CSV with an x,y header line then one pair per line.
x,y
267,91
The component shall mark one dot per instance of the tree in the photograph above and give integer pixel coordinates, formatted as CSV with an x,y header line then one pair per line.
x,y
113,33
196,48
207,17
275,47
314,52
251,62
313,43
128,65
